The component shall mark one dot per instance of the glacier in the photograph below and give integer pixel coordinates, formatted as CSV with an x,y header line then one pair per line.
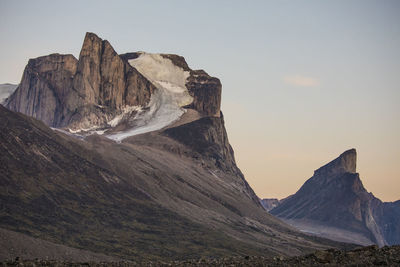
x,y
166,103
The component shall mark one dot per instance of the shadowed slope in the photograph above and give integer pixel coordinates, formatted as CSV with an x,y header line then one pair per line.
x,y
52,188
146,198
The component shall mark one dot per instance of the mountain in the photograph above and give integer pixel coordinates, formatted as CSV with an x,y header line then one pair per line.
x,y
6,90
334,204
137,163
103,89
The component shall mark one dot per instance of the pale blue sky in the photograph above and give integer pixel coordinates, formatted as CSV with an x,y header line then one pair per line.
x,y
302,80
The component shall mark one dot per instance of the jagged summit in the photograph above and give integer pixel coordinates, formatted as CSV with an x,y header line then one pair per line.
x,y
346,162
112,94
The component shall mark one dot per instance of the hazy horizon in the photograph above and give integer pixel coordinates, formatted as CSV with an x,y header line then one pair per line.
x,y
302,81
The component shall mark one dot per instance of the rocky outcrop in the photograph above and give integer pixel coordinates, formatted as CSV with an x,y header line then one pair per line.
x,y
335,201
206,92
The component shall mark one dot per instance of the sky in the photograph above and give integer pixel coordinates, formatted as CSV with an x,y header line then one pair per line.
x,y
303,81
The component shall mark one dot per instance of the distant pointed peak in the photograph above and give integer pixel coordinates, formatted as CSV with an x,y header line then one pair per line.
x,y
350,152
345,163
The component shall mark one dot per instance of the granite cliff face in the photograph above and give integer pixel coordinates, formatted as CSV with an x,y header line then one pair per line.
x,y
206,92
101,89
334,204
105,85
45,84
65,92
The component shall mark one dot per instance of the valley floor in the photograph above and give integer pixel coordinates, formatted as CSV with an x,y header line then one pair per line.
x,y
365,256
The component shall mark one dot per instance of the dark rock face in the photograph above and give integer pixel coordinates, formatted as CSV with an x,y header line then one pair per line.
x,y
106,84
335,197
63,91
208,138
206,92
103,78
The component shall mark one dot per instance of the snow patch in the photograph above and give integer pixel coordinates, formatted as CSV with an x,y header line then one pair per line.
x,y
100,132
165,106
127,110
68,133
157,68
93,128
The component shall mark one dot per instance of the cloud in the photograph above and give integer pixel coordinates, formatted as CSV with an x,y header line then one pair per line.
x,y
300,80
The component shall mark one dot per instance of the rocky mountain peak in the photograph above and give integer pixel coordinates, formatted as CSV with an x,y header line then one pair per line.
x,y
334,204
92,44
345,163
104,90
